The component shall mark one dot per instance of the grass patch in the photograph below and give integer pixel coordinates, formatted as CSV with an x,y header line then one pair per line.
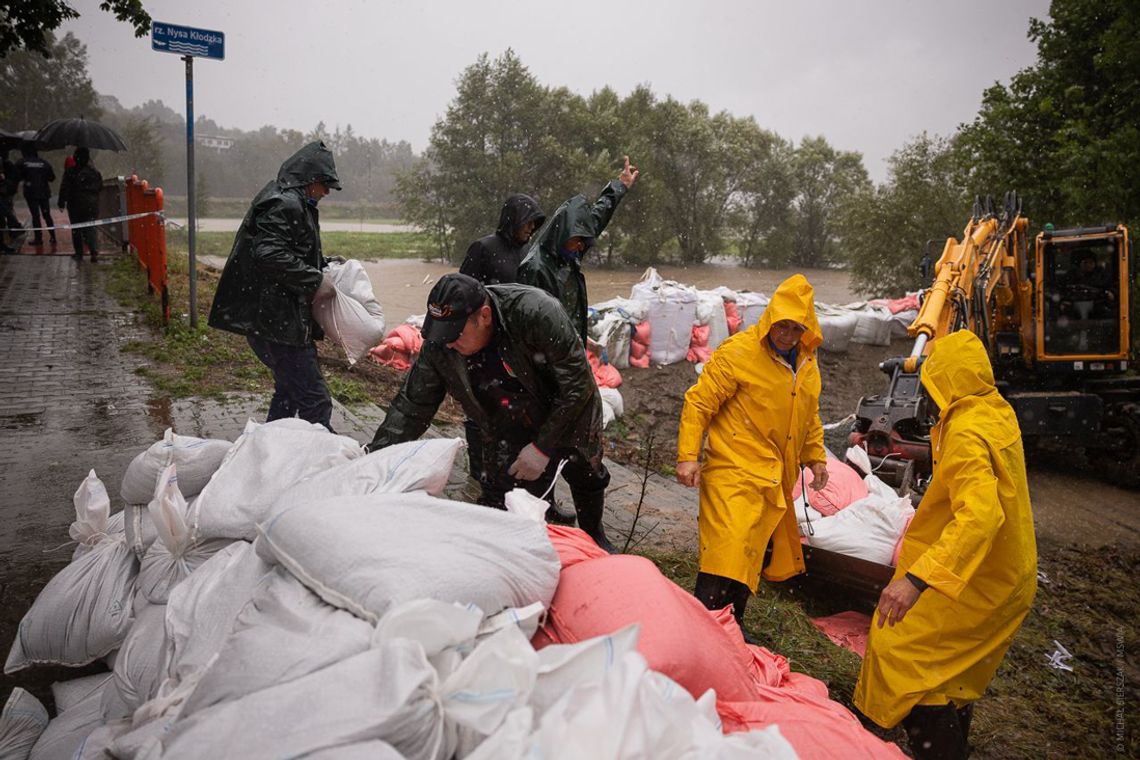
x,y
365,246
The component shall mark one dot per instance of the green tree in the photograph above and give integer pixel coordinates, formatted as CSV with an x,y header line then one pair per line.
x,y
885,230
1065,132
29,24
761,218
34,89
824,177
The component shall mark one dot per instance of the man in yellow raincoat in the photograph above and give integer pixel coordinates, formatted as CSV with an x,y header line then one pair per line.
x,y
967,572
758,398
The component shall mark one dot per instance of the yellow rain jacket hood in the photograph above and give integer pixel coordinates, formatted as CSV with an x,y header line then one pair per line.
x,y
762,419
971,540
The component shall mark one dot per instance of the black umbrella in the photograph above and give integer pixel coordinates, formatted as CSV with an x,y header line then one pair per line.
x,y
9,140
80,133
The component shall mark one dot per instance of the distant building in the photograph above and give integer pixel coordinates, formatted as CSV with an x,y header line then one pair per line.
x,y
217,143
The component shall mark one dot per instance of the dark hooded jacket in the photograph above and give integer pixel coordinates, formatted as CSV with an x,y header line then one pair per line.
x,y
274,268
494,259
79,190
539,345
546,266
36,174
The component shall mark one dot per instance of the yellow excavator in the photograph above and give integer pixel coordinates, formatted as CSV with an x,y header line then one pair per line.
x,y
1055,318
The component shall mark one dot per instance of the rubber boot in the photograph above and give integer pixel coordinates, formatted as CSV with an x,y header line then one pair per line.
x,y
740,596
589,505
716,592
935,733
965,717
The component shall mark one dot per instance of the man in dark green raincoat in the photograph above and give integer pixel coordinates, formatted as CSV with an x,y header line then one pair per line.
x,y
553,261
509,355
272,277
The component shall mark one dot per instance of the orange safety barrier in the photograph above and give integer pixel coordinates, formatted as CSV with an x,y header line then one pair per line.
x,y
147,237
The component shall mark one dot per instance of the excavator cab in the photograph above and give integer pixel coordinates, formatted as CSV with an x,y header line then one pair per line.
x,y
1082,300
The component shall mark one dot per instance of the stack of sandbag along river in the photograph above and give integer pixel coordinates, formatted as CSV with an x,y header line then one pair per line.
x,y
287,595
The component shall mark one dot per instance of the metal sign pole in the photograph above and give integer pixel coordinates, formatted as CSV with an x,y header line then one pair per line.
x,y
192,215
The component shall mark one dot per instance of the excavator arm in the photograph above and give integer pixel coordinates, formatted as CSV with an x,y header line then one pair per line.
x,y
980,284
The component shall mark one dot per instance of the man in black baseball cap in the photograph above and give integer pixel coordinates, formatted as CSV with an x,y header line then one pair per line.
x,y
453,299
513,360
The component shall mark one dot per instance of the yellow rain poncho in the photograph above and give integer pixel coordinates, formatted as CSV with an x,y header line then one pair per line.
x,y
971,540
763,422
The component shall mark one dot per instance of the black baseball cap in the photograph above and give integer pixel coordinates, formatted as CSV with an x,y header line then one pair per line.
x,y
453,299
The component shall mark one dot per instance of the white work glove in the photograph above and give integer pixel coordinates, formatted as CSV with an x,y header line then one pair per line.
x,y
326,289
530,464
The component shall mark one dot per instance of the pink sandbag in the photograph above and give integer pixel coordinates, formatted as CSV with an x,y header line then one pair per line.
x,y
846,629
732,316
400,348
605,375
843,487
817,728
699,350
679,637
639,361
895,305
642,333
573,545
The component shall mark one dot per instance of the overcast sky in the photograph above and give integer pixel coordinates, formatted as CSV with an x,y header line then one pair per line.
x,y
866,75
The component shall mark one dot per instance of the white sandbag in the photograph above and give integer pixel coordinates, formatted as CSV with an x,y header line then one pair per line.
x,y
497,678
373,749
351,317
423,465
873,327
672,310
176,554
197,459
284,633
98,742
83,613
635,309
446,631
563,666
138,669
261,465
64,735
900,321
612,405
868,528
385,693
351,279
71,692
837,325
750,306
614,330
710,311
139,527
92,515
201,610
364,553
21,723
631,712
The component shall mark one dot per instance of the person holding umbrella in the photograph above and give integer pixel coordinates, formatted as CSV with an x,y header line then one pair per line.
x,y
79,194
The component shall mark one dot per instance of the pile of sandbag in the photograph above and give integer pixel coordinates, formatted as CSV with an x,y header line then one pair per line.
x,y
352,318
672,310
749,687
855,514
612,324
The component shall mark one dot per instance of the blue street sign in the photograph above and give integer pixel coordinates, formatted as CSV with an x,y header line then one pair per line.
x,y
186,40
